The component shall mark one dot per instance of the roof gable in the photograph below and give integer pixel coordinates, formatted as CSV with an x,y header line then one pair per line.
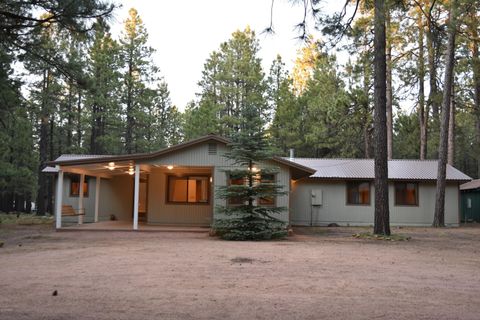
x,y
73,159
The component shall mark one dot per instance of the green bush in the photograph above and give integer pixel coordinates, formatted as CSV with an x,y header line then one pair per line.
x,y
251,228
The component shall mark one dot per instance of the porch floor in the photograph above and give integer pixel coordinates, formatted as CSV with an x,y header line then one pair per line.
x,y
128,226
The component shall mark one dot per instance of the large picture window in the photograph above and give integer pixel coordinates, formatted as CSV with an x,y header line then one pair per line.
x,y
406,193
188,189
75,186
358,193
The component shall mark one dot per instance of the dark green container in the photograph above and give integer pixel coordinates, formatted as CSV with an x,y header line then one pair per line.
x,y
470,205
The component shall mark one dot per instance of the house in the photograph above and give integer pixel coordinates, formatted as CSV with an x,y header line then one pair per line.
x,y
173,186
176,186
470,201
345,187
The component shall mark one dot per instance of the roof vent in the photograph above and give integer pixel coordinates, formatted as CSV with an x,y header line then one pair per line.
x,y
212,148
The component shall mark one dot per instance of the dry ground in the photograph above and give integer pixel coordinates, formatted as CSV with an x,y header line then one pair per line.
x,y
317,274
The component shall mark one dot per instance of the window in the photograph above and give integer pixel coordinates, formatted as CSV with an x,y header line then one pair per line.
x,y
406,194
358,193
268,201
235,182
75,186
191,189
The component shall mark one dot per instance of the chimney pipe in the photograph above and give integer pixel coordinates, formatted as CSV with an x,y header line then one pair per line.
x,y
292,154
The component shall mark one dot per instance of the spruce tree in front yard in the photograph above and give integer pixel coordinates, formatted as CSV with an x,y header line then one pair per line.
x,y
251,193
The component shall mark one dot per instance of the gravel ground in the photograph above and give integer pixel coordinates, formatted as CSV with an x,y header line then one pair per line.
x,y
320,273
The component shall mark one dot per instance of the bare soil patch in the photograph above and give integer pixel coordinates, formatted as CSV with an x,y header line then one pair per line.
x,y
320,273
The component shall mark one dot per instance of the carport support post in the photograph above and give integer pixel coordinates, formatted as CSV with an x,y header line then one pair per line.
x,y
97,197
80,199
58,199
135,197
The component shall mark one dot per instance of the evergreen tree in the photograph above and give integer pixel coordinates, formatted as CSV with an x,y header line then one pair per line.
x,y
250,205
286,128
139,76
232,80
17,155
103,94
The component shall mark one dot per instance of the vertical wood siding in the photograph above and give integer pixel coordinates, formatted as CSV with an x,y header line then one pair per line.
x,y
335,209
198,156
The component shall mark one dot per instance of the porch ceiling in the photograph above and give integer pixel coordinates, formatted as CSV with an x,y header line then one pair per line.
x,y
103,170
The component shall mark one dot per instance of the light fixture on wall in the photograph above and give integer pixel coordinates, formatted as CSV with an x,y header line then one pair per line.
x,y
169,167
111,166
131,171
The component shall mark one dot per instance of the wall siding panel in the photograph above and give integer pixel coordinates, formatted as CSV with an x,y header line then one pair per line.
x,y
198,156
335,209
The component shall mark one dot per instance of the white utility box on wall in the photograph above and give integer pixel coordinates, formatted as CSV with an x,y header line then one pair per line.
x,y
317,197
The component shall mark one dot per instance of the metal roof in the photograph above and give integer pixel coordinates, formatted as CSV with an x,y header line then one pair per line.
x,y
364,169
298,170
50,170
86,159
72,157
474,184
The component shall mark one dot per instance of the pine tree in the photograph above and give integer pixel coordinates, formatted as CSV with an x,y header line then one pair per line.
x,y
232,79
139,75
102,96
250,206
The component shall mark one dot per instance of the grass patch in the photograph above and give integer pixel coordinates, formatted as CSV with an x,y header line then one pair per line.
x,y
371,236
24,219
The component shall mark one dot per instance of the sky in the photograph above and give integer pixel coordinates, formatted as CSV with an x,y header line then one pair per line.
x,y
184,33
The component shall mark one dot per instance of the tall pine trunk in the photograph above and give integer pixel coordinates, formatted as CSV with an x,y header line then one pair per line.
x,y
79,119
129,111
451,128
382,214
366,89
476,93
70,116
43,146
432,64
422,112
439,218
389,87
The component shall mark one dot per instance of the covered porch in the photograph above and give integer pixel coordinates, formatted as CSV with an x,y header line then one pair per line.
x,y
127,195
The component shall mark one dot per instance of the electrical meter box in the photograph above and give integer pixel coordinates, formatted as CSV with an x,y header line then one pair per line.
x,y
317,197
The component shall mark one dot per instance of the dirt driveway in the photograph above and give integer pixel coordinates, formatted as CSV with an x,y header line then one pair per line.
x,y
317,274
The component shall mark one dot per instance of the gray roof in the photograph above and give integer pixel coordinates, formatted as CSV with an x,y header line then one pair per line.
x,y
50,170
71,157
364,169
474,184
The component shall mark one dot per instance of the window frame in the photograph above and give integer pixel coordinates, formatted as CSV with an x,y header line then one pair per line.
x,y
417,191
229,183
358,182
76,179
274,202
187,176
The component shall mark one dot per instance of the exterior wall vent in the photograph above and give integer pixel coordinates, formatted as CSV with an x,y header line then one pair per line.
x,y
212,148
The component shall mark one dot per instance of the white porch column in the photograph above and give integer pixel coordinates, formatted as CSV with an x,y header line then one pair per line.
x,y
135,197
80,199
97,197
58,199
